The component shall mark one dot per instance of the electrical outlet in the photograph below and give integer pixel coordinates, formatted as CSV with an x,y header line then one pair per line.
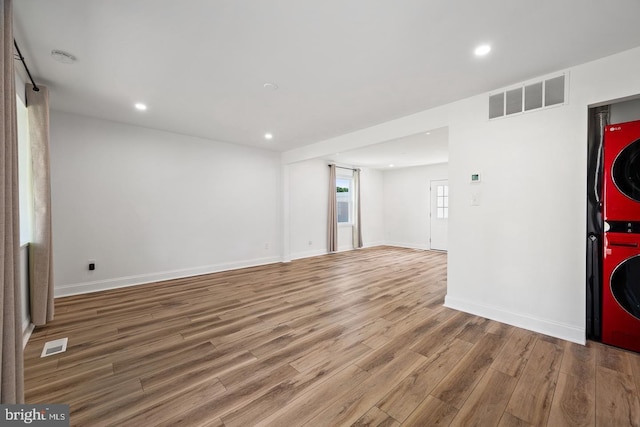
x,y
266,246
92,264
310,243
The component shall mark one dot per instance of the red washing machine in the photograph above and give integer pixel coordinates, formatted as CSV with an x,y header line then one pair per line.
x,y
621,261
621,290
622,172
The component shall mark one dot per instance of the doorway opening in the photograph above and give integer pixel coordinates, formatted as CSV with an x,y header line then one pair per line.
x,y
600,115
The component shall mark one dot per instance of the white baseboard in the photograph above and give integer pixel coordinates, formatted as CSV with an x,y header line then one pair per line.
x,y
408,245
543,326
374,244
308,254
121,282
26,334
318,252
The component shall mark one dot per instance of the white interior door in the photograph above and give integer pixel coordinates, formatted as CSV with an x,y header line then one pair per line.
x,y
439,215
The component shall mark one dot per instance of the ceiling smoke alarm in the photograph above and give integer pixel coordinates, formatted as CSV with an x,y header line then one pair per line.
x,y
63,57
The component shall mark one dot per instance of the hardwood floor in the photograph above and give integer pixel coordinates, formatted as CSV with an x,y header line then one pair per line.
x,y
356,338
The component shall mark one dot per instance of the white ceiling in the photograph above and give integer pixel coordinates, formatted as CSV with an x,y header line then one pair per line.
x,y
341,65
424,148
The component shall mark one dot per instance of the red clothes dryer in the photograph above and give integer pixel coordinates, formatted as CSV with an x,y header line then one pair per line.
x,y
621,290
622,172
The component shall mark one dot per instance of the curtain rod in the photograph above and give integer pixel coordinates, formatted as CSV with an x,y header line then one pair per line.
x,y
342,167
21,58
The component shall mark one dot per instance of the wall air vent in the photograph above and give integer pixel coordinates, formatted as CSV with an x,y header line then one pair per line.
x,y
529,97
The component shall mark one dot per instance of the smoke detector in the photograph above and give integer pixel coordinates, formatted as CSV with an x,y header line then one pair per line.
x,y
63,57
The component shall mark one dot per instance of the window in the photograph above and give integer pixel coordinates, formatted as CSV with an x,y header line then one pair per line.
x,y
25,186
344,199
442,201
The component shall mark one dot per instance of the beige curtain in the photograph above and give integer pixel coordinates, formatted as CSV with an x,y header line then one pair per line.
x,y
40,249
357,217
332,217
11,381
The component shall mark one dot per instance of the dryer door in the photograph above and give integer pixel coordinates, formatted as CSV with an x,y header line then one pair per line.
x,y
626,171
625,285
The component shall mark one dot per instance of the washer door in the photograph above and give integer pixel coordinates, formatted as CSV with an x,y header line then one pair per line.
x,y
626,171
625,285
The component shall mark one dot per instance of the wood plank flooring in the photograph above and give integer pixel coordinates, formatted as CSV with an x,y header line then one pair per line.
x,y
356,338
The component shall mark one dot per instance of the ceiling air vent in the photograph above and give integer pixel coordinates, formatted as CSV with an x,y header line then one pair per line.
x,y
496,106
554,91
528,97
533,96
514,101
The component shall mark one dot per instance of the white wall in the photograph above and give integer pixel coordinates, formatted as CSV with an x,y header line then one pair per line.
x,y
407,204
148,205
372,212
518,257
20,86
308,198
626,111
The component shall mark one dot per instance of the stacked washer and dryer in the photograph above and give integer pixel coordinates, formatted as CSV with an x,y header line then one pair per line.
x,y
621,258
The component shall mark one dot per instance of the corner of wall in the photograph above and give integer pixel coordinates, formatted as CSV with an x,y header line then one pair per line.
x,y
532,323
26,334
308,254
408,245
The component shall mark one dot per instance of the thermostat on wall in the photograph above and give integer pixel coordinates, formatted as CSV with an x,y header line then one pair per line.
x,y
475,177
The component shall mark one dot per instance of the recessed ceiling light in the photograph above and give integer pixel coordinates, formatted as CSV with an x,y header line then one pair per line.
x,y
270,86
427,133
63,57
482,50
140,106
268,136
391,165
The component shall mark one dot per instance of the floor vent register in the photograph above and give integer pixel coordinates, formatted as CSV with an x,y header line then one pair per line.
x,y
54,347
